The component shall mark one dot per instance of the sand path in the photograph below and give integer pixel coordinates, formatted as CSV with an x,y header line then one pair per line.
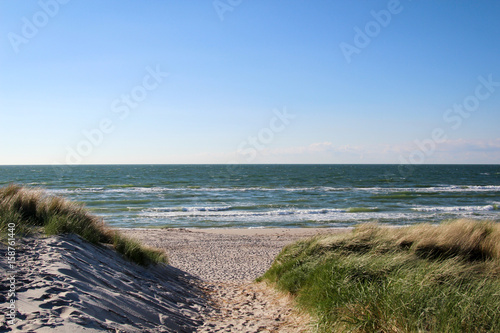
x,y
227,261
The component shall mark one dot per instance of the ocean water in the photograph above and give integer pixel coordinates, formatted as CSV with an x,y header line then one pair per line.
x,y
253,196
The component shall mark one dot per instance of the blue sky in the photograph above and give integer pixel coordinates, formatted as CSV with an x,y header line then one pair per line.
x,y
239,81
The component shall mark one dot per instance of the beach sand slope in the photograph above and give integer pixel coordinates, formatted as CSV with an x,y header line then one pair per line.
x,y
65,284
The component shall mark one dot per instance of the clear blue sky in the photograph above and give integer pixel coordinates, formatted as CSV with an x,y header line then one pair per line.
x,y
231,81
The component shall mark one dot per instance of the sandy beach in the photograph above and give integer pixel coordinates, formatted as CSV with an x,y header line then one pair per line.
x,y
66,284
222,255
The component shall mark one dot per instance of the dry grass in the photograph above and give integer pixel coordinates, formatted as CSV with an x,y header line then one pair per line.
x,y
475,240
33,211
423,278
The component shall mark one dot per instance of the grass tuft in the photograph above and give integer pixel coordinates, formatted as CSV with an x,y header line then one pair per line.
x,y
33,211
424,278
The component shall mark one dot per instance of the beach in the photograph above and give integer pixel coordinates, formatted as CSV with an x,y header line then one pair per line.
x,y
220,232
223,255
67,284
227,261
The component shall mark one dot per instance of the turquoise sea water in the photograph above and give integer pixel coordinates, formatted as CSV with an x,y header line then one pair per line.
x,y
270,195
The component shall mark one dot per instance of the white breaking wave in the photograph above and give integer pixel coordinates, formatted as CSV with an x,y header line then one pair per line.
x,y
201,189
226,212
212,211
447,188
159,189
455,208
281,216
189,209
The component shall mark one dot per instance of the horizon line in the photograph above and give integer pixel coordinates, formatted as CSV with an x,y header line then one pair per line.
x,y
243,164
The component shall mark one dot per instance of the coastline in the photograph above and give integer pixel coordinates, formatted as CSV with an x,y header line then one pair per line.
x,y
292,232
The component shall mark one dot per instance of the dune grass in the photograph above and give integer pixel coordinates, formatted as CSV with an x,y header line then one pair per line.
x,y
33,211
423,278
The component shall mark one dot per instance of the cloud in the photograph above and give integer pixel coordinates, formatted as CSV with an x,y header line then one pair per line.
x,y
449,151
317,147
453,151
461,145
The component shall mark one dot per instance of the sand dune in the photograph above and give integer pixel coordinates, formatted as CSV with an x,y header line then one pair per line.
x,y
65,284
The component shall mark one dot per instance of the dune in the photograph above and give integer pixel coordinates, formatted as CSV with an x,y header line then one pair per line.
x,y
65,284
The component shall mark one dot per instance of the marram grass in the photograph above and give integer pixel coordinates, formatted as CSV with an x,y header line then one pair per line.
x,y
423,278
32,210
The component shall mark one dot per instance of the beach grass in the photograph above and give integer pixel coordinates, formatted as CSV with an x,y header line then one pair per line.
x,y
32,211
422,278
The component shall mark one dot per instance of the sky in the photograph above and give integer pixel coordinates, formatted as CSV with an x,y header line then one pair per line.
x,y
240,81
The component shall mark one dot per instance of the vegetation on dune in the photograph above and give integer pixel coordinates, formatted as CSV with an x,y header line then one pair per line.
x,y
423,278
32,211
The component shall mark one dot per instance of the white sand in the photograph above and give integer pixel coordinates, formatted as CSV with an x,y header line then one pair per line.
x,y
65,284
227,261
223,255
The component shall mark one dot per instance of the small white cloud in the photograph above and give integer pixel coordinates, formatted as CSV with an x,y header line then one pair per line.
x,y
462,145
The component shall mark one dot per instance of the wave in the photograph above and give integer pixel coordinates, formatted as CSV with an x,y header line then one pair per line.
x,y
230,211
434,189
351,213
128,188
111,202
76,190
187,209
278,218
456,208
377,190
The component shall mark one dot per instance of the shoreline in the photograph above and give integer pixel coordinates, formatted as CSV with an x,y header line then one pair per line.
x,y
299,231
250,231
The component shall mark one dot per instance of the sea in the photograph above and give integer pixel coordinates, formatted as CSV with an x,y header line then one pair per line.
x,y
266,196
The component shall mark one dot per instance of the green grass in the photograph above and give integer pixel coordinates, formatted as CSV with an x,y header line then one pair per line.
x,y
33,211
424,278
